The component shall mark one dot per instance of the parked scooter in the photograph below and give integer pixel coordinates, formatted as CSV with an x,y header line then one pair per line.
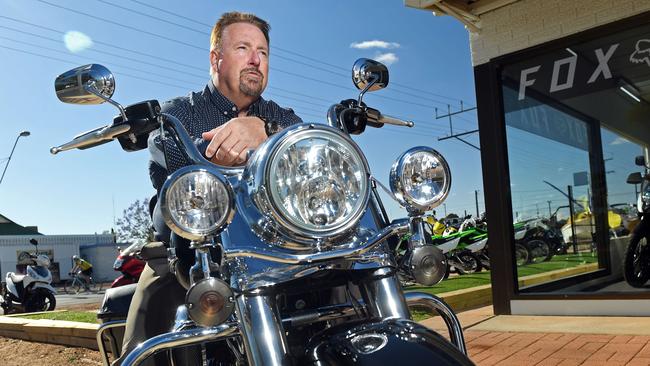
x,y
130,264
636,264
32,291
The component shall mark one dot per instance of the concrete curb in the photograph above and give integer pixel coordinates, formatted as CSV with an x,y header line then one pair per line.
x,y
80,334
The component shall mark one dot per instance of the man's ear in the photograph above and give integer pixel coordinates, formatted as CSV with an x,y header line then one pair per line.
x,y
215,60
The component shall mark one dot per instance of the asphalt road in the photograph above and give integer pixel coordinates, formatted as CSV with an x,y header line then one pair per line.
x,y
67,300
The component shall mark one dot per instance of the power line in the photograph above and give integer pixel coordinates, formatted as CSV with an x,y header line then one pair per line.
x,y
399,85
279,48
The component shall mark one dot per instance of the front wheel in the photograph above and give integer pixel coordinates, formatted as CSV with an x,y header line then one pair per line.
x,y
636,268
468,263
40,300
522,254
540,251
72,286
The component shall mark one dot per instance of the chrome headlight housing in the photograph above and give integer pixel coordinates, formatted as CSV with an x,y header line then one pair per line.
x,y
420,179
197,201
311,180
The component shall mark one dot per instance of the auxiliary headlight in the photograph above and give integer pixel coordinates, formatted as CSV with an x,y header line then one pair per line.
x,y
420,179
197,202
317,181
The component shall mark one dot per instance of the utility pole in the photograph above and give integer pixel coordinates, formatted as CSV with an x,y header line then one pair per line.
x,y
476,200
451,127
537,207
445,206
549,209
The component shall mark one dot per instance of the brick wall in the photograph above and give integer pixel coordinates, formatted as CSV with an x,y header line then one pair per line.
x,y
528,23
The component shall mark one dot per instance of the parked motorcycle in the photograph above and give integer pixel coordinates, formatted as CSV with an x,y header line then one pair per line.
x,y
636,264
305,274
32,291
130,264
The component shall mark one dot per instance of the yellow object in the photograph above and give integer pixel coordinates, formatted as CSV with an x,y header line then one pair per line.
x,y
83,264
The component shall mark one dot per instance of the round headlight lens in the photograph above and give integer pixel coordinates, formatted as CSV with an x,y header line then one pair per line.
x,y
420,179
196,202
318,181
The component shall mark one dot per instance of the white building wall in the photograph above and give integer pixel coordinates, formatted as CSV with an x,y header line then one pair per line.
x,y
527,23
63,247
102,257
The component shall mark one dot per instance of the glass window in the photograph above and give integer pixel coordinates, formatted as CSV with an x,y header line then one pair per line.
x,y
575,118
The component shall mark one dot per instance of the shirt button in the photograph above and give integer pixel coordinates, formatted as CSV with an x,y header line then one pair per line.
x,y
225,113
234,109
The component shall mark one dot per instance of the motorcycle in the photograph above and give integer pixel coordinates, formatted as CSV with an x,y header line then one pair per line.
x,y
305,274
130,264
32,291
636,264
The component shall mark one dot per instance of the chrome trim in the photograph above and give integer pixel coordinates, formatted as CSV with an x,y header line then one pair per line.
x,y
261,329
384,297
194,234
281,257
178,339
397,187
434,303
100,340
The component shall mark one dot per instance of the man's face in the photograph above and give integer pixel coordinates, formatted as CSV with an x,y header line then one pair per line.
x,y
243,61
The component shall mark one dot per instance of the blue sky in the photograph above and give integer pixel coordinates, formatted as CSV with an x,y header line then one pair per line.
x,y
163,53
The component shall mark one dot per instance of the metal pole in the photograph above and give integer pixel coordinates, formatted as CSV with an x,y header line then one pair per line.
x,y
24,133
476,200
549,209
573,224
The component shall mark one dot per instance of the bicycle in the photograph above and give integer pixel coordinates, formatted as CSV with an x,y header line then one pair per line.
x,y
79,283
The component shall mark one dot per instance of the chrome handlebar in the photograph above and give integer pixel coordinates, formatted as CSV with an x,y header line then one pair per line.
x,y
91,138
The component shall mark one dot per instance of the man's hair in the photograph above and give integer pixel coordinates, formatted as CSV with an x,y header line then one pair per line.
x,y
232,18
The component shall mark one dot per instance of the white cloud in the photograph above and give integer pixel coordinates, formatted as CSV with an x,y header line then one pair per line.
x,y
374,44
76,42
619,141
387,58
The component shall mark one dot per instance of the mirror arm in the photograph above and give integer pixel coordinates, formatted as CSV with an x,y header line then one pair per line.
x,y
370,84
90,88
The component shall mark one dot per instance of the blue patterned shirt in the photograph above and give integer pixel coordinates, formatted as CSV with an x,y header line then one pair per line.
x,y
201,112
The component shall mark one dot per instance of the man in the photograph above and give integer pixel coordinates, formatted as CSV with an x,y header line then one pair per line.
x,y
227,119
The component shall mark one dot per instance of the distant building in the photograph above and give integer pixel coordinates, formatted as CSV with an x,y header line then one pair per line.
x,y
14,239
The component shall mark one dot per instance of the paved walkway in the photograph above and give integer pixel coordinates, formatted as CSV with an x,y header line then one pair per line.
x,y
547,341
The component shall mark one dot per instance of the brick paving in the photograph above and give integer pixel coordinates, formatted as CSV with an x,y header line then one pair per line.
x,y
556,349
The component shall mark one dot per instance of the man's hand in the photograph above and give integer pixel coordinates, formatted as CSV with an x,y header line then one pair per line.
x,y
229,143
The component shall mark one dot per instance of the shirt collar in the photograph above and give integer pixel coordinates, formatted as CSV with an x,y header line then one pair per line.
x,y
226,104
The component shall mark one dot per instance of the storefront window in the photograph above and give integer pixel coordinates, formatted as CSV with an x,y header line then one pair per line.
x,y
575,118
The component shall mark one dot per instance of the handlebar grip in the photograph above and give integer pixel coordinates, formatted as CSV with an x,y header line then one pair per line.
x,y
92,138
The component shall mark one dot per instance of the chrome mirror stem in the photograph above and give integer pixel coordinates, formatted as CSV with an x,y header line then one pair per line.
x,y
90,88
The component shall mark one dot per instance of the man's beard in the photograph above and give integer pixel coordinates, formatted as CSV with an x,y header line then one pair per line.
x,y
251,88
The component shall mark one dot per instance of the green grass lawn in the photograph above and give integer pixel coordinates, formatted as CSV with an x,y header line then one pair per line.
x,y
74,316
451,284
483,278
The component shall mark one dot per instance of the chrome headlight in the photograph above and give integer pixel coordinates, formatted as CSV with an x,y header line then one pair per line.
x,y
197,201
420,179
315,181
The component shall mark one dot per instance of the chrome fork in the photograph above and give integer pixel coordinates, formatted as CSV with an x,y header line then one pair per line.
x,y
261,329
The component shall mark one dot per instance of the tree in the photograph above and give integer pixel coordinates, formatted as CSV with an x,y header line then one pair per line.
x,y
135,225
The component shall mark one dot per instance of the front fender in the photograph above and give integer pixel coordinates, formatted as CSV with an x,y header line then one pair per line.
x,y
45,286
388,342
